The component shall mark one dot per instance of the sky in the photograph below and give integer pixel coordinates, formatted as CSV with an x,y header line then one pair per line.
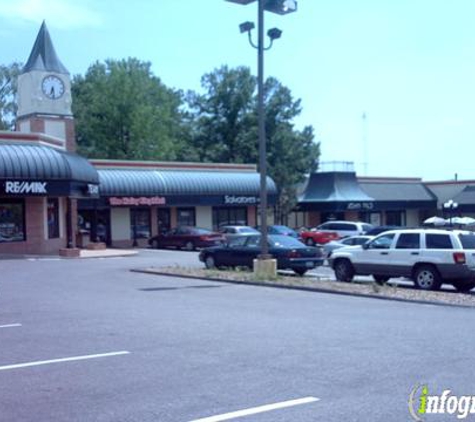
x,y
387,85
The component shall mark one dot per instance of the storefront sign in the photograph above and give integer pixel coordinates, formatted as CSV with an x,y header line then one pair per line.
x,y
124,201
358,206
240,200
92,190
19,188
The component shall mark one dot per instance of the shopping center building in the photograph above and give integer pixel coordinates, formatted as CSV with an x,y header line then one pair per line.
x,y
53,200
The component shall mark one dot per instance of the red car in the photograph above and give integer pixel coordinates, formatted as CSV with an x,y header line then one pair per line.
x,y
315,237
188,238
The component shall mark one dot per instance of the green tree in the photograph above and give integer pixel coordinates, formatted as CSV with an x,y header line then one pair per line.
x,y
123,111
224,128
220,118
8,90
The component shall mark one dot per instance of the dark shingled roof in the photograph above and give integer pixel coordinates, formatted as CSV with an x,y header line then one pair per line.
x,y
467,196
43,56
397,191
167,182
334,187
39,162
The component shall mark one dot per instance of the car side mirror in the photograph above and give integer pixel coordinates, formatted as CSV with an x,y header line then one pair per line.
x,y
365,246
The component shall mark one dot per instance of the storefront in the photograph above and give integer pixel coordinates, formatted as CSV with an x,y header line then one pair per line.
x,y
39,186
341,195
139,200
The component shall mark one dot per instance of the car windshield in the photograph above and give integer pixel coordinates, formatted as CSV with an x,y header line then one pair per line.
x,y
468,241
247,230
201,231
277,241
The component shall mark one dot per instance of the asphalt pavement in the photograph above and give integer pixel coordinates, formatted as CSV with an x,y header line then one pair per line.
x,y
88,340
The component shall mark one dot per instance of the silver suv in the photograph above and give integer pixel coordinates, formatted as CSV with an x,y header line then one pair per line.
x,y
345,228
429,257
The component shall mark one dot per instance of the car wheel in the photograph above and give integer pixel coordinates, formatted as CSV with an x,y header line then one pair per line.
x,y
189,246
310,242
464,287
426,277
210,262
380,279
343,270
300,271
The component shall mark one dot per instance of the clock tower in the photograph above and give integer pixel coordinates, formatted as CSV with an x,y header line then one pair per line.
x,y
44,94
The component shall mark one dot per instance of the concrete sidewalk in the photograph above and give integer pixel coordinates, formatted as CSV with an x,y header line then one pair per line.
x,y
107,253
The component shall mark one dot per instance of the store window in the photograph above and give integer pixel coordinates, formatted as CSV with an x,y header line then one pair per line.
x,y
53,218
12,221
186,217
232,216
163,220
396,218
140,223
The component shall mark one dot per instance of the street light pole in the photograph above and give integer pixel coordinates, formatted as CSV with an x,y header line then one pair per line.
x,y
264,265
262,131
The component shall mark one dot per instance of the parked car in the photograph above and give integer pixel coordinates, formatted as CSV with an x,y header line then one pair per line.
x,y
187,237
282,230
289,253
429,257
231,232
345,228
316,237
329,247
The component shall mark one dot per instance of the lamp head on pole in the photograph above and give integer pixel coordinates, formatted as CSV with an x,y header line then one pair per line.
x,y
246,27
274,33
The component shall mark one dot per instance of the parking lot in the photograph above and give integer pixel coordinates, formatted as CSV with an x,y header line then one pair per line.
x,y
87,340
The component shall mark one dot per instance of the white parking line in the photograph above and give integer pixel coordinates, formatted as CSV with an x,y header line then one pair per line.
x,y
10,325
259,409
70,359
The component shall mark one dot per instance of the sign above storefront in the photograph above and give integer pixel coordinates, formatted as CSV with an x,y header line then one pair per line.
x,y
240,200
25,188
127,201
360,206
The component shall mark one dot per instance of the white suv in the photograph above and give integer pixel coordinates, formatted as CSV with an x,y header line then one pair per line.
x,y
345,228
429,257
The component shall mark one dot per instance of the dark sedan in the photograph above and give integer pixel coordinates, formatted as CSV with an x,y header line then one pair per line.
x,y
188,238
289,253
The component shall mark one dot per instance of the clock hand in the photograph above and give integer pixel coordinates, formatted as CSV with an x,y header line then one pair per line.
x,y
51,93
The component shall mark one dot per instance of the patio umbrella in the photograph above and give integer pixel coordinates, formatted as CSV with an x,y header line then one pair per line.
x,y
464,221
435,221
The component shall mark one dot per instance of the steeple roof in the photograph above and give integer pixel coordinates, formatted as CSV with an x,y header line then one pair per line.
x,y
43,56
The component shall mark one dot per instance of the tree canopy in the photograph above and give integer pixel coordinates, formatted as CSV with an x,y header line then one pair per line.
x,y
123,111
225,129
8,89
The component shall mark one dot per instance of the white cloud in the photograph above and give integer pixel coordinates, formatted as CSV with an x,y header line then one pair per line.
x,y
63,14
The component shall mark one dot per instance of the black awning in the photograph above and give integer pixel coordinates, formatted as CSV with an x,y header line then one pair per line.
x,y
173,187
27,170
333,187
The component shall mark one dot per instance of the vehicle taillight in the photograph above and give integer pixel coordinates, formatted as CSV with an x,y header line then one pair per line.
x,y
459,257
204,238
294,254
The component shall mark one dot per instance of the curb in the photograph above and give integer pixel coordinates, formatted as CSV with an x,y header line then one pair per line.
x,y
305,289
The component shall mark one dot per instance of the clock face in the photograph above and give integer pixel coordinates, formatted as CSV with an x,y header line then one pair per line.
x,y
52,87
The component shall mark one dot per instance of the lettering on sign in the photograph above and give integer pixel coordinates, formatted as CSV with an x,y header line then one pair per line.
x,y
356,206
241,200
25,187
93,189
124,201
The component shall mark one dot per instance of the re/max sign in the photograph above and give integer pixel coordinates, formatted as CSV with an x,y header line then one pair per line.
x,y
17,187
